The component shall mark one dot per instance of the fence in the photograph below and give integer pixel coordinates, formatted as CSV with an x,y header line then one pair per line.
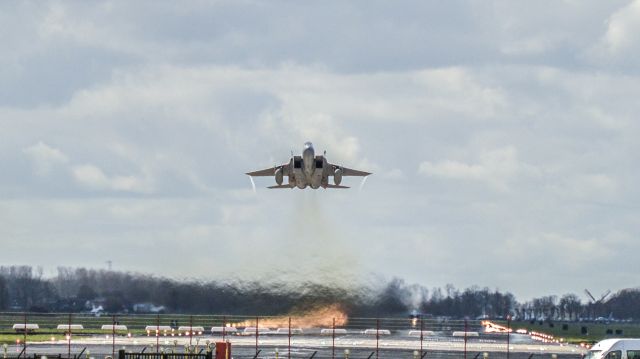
x,y
321,335
123,354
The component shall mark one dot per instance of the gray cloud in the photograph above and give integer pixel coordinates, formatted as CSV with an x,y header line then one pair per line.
x,y
502,137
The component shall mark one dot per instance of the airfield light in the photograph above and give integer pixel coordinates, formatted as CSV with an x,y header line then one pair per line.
x,y
68,336
53,339
485,355
17,341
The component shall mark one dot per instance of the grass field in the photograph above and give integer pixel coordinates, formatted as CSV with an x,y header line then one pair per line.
x,y
572,332
569,331
14,338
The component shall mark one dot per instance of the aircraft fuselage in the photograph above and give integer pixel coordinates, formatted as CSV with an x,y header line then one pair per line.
x,y
308,170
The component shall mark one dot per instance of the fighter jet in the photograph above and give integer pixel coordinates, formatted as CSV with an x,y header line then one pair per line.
x,y
308,170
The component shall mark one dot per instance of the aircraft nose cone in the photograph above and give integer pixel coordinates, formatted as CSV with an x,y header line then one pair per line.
x,y
308,152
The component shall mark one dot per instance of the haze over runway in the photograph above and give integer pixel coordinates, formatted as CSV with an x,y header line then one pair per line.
x,y
503,136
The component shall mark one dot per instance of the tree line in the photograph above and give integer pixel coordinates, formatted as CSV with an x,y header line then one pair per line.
x,y
23,288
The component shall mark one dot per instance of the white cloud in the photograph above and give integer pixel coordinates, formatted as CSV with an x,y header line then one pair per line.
x,y
112,101
497,168
393,174
594,187
45,157
93,177
623,28
621,38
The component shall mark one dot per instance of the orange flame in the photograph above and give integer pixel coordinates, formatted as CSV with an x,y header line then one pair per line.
x,y
314,318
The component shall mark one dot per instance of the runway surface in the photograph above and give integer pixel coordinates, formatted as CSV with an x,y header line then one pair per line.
x,y
304,346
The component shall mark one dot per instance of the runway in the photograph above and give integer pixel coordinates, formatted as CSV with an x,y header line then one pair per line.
x,y
304,346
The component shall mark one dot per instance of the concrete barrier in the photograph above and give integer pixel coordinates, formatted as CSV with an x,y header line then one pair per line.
x,y
331,331
28,327
114,327
462,334
161,328
425,333
70,327
379,332
220,330
285,331
195,330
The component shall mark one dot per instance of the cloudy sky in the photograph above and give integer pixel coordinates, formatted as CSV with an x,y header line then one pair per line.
x,y
503,136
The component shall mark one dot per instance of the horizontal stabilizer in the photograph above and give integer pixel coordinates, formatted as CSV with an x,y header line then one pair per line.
x,y
280,186
336,186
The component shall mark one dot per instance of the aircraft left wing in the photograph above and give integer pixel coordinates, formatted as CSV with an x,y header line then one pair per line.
x,y
269,171
263,173
349,171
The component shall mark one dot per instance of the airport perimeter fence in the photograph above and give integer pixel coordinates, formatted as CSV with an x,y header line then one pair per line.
x,y
316,335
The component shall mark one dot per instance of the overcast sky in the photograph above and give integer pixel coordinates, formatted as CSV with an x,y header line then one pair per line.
x,y
503,136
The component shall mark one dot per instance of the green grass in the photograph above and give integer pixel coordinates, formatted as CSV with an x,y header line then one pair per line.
x,y
13,338
573,334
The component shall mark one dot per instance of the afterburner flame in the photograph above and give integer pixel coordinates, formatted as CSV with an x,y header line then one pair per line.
x,y
321,317
491,327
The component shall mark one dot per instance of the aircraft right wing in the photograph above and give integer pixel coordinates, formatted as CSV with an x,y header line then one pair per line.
x,y
350,172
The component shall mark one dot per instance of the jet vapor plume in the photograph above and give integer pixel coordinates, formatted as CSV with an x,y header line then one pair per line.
x,y
319,317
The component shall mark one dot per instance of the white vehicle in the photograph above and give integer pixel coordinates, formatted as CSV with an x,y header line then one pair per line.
x,y
615,349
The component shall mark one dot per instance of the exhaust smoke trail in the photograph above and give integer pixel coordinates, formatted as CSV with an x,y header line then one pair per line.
x,y
253,185
364,179
317,246
315,318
